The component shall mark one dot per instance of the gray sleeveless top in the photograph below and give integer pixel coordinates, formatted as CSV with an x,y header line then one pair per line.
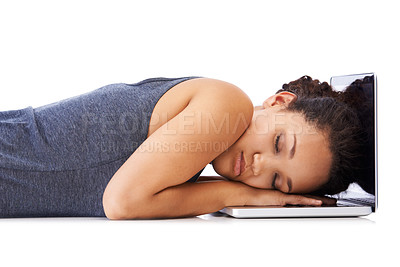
x,y
56,160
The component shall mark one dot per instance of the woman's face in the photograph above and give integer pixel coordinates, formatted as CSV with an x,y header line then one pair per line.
x,y
279,150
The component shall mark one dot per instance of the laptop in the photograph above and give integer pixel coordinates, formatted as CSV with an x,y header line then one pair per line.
x,y
350,203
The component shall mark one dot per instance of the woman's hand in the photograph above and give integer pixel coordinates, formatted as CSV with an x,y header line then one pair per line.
x,y
326,201
267,197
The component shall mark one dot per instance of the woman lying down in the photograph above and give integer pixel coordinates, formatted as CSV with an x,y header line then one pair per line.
x,y
136,151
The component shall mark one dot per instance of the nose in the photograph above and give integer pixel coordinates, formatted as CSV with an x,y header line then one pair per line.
x,y
262,162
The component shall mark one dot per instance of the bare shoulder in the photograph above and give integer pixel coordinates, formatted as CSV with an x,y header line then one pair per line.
x,y
223,106
217,88
207,95
208,91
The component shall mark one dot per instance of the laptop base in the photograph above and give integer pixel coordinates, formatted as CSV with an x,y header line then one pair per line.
x,y
287,212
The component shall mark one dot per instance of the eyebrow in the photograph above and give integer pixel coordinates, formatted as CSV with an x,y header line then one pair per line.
x,y
293,149
291,154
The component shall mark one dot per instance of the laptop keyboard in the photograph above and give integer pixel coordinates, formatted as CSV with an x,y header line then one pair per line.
x,y
355,197
356,202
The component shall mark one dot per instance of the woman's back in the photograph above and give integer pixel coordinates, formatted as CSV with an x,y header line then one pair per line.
x,y
56,160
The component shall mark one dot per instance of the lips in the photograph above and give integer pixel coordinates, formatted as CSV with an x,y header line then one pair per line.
x,y
240,164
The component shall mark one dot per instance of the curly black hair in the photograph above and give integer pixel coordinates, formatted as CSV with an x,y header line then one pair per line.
x,y
346,118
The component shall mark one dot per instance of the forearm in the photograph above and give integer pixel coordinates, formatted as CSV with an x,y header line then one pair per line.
x,y
189,199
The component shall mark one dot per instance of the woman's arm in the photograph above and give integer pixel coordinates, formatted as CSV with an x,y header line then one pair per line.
x,y
188,199
218,113
192,199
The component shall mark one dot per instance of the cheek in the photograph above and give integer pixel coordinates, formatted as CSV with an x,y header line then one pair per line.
x,y
260,125
257,136
309,171
306,185
261,182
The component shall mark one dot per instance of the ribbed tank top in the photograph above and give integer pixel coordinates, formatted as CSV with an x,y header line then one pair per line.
x,y
57,159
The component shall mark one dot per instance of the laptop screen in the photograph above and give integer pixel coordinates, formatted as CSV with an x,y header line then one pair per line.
x,y
366,83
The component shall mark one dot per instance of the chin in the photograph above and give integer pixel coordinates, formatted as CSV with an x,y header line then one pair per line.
x,y
222,167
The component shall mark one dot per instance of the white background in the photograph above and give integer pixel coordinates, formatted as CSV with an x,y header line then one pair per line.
x,y
50,50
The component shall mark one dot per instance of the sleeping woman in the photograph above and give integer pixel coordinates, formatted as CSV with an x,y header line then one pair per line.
x,y
136,151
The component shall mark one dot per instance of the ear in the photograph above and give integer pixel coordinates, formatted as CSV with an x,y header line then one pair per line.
x,y
280,99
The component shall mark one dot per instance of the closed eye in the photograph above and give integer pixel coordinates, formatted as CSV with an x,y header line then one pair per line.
x,y
277,143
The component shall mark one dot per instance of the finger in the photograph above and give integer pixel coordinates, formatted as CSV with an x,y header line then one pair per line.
x,y
325,200
301,200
